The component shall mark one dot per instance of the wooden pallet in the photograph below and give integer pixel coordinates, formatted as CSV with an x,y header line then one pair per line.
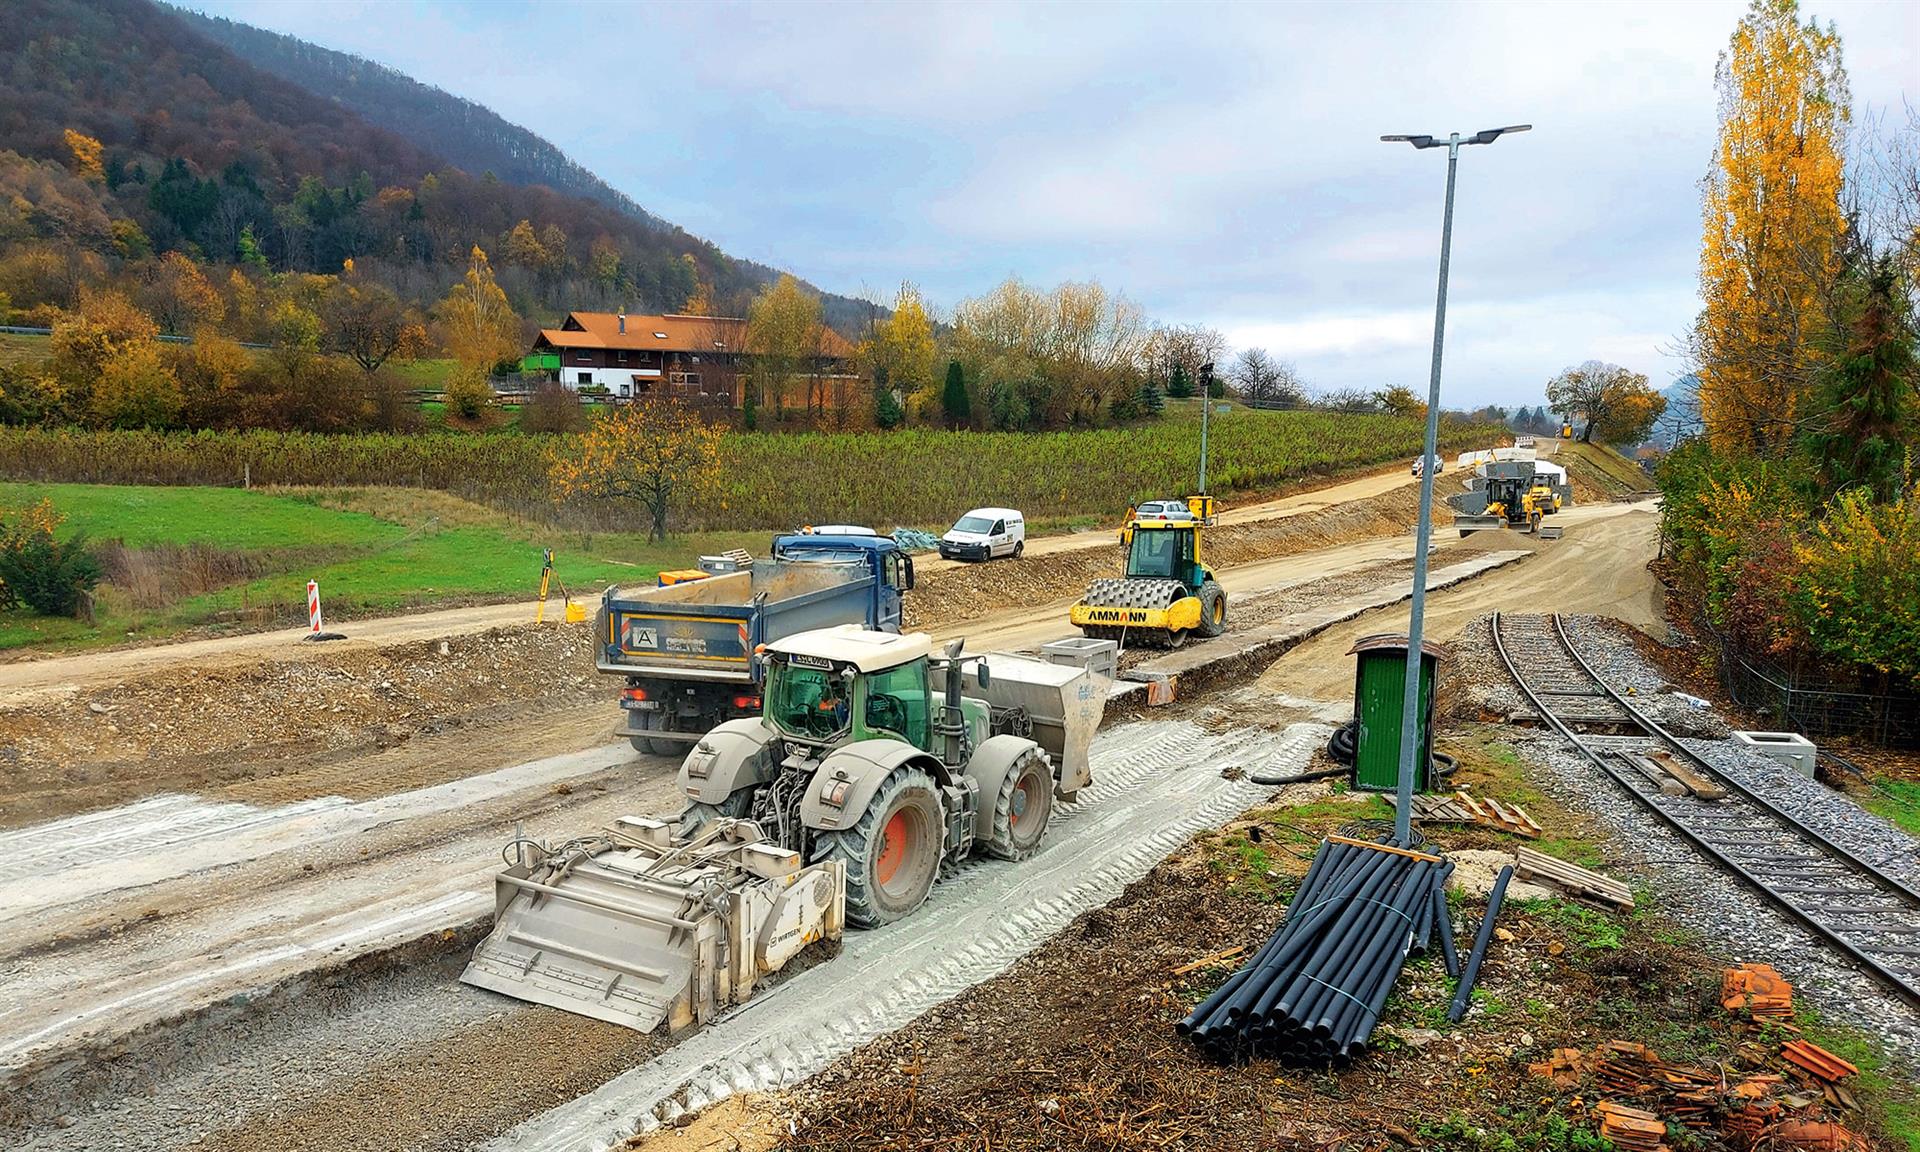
x,y
1571,878
1461,808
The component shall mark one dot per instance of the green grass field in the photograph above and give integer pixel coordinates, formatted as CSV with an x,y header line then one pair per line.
x,y
372,550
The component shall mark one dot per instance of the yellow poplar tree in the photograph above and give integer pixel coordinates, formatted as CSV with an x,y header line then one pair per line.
x,y
86,155
1772,221
480,326
904,345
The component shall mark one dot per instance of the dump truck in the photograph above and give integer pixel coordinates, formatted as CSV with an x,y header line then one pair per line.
x,y
875,765
688,650
1166,592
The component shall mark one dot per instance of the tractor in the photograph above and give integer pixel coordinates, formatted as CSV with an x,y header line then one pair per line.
x,y
869,754
1168,593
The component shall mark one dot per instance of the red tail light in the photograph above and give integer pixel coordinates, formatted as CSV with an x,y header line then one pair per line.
x,y
634,693
746,703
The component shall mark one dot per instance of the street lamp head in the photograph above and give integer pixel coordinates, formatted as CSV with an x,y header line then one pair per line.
x,y
1489,135
1416,141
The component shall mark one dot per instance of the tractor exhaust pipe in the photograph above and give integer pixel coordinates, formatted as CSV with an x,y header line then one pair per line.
x,y
952,725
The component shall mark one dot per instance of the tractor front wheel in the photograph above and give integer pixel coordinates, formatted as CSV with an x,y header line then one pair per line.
x,y
1021,811
893,854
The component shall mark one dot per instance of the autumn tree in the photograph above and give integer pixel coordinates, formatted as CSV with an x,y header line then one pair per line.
x,y
900,355
1400,400
479,325
1772,220
656,451
104,328
367,323
86,152
137,389
176,293
783,334
1616,404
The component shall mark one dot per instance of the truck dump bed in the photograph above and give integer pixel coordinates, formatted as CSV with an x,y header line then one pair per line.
x,y
708,629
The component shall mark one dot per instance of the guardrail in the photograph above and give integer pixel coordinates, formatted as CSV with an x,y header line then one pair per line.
x,y
164,337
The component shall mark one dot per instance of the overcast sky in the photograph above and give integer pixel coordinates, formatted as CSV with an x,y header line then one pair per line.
x,y
1218,164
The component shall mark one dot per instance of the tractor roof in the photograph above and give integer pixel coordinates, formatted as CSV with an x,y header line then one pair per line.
x,y
851,644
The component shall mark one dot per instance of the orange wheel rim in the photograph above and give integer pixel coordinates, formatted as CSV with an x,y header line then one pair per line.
x,y
1026,803
893,848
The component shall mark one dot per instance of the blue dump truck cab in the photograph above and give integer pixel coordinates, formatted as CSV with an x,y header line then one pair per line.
x,y
690,651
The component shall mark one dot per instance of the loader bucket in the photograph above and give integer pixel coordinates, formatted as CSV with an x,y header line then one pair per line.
x,y
1064,703
636,927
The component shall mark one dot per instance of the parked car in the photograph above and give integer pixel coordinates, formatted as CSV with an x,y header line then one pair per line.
x,y
1439,464
1163,510
985,533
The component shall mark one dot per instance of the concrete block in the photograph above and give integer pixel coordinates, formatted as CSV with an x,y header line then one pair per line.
x,y
1789,748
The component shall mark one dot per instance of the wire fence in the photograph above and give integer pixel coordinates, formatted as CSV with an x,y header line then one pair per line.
x,y
1816,702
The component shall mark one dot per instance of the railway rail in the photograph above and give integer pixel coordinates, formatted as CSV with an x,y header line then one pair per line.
x,y
1871,917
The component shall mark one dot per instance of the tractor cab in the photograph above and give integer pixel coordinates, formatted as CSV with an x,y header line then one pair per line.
x,y
841,686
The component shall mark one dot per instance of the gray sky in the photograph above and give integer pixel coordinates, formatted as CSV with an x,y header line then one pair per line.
x,y
1217,163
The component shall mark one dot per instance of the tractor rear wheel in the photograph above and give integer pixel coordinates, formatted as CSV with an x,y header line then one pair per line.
x,y
1021,811
893,854
1213,609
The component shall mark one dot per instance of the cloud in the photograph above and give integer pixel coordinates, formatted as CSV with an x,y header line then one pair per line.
x,y
1218,163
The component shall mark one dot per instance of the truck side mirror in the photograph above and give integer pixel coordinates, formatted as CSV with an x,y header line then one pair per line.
x,y
907,563
986,681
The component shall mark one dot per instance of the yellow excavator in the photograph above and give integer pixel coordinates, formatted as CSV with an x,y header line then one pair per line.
x,y
1168,593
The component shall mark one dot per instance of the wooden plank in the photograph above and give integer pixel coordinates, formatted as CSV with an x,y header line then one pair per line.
x,y
1692,780
1395,849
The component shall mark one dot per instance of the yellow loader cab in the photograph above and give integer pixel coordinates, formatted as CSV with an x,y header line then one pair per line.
x,y
1168,592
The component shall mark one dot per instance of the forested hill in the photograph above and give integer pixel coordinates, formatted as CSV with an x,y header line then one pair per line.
x,y
201,152
467,134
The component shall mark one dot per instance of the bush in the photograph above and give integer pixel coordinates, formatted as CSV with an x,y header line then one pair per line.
x,y
468,395
552,409
52,577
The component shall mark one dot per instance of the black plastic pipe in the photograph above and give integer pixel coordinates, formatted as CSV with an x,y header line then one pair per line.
x,y
1472,973
1445,919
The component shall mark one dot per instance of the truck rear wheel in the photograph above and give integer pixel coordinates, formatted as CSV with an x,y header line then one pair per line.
x,y
1021,811
647,744
893,854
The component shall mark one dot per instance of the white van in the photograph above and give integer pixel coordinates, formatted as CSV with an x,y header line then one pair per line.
x,y
985,533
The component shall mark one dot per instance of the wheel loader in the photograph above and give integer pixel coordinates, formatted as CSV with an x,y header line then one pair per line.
x,y
872,768
1509,494
1167,593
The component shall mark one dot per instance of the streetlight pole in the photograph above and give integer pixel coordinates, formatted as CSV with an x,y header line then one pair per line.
x,y
1411,745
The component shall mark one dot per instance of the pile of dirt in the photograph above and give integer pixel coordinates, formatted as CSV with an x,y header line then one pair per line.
x,y
279,729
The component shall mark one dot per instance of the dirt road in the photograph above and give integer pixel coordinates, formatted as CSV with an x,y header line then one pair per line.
x,y
1599,566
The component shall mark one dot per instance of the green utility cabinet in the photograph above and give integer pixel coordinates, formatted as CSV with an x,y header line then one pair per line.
x,y
1379,698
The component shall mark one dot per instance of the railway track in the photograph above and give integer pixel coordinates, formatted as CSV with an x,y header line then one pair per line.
x,y
1870,916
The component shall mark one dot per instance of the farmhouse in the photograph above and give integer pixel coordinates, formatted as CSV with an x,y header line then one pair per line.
x,y
630,355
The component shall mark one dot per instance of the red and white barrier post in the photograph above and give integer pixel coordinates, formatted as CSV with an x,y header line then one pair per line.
x,y
313,607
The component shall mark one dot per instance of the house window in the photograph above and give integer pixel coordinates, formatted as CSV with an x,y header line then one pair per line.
x,y
583,357
623,359
586,377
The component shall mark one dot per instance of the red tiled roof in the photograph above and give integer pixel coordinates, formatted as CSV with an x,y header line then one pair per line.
x,y
669,333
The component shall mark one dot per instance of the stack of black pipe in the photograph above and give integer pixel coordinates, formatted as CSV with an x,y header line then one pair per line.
x,y
1313,993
